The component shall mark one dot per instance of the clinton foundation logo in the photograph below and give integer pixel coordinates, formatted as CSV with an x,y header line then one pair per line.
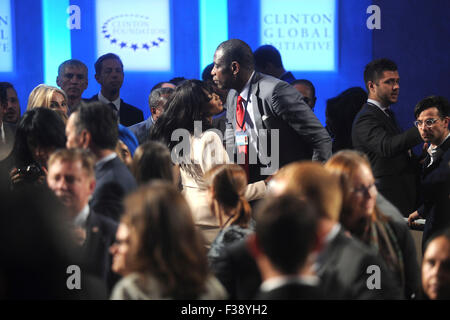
x,y
138,31
133,32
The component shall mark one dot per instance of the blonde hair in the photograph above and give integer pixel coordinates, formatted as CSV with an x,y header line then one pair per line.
x,y
312,182
41,96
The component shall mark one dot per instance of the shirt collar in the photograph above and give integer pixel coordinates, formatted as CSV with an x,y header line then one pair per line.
x,y
2,132
376,103
274,283
432,148
104,100
103,160
81,218
244,92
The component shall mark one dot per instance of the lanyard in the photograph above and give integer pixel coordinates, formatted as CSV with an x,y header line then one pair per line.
x,y
245,105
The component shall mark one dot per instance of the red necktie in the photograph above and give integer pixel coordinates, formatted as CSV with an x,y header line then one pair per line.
x,y
240,121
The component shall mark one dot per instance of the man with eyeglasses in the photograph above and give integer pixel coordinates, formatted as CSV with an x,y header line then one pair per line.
x,y
376,133
432,118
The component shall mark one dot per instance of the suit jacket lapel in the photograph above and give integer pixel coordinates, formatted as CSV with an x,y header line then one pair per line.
x,y
384,118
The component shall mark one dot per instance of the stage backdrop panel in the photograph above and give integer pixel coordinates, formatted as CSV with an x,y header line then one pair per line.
x,y
136,30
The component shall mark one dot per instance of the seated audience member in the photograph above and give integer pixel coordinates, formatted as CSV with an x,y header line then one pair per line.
x,y
227,184
109,75
268,61
93,126
73,80
71,177
152,161
39,133
160,251
308,91
432,119
436,267
285,236
342,262
10,103
361,216
194,103
157,101
49,97
340,113
38,258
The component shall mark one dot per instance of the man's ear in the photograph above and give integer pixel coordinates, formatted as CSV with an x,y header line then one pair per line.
x,y
235,68
370,85
97,77
85,139
58,81
92,184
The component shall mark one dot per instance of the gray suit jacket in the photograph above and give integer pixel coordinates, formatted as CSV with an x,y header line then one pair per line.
x,y
277,105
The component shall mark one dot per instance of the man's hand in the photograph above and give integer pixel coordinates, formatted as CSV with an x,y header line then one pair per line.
x,y
413,217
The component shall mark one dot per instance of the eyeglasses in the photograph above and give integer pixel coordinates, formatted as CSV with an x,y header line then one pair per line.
x,y
428,123
362,190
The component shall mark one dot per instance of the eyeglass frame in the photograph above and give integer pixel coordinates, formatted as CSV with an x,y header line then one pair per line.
x,y
428,123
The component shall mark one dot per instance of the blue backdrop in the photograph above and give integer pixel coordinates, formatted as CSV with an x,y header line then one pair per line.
x,y
414,33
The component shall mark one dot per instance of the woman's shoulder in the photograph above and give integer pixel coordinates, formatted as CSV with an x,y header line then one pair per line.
x,y
214,290
136,286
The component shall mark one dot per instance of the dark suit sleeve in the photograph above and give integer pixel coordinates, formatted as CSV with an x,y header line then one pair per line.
x,y
107,200
288,104
368,128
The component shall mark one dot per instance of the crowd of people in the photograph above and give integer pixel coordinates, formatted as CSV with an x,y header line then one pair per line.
x,y
231,189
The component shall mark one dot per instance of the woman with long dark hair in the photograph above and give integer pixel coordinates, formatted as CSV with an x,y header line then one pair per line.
x,y
188,114
159,251
39,132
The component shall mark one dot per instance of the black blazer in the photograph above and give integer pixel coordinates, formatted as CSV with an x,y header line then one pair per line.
x,y
279,106
435,190
395,171
128,114
342,271
113,182
100,235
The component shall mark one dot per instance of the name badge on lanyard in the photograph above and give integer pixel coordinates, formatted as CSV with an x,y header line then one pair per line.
x,y
241,138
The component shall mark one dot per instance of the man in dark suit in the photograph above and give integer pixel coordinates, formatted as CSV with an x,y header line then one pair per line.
x,y
93,126
260,107
71,178
432,114
73,79
285,236
109,74
268,61
7,135
376,133
157,101
342,263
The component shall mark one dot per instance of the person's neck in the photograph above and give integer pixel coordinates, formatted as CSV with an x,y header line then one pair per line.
x,y
101,153
74,101
437,143
110,95
242,80
382,103
280,72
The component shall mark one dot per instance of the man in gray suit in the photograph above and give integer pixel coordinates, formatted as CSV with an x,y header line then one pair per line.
x,y
258,102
